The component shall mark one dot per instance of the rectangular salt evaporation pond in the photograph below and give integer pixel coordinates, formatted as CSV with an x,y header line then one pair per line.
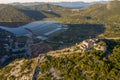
x,y
39,28
19,31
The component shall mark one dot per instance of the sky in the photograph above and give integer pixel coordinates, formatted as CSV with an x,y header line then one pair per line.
x,y
11,1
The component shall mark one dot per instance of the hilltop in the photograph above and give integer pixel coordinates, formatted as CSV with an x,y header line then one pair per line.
x,y
9,13
68,63
104,12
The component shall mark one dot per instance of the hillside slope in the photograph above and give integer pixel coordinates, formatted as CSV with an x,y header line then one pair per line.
x,y
66,64
105,12
108,14
11,14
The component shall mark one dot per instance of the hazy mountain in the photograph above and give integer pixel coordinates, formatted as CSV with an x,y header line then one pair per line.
x,y
28,4
78,4
73,4
63,4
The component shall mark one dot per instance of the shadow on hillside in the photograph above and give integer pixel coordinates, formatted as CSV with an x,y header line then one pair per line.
x,y
85,31
75,34
79,32
13,24
33,14
52,13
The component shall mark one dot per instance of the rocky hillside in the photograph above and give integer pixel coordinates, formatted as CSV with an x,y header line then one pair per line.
x,y
113,5
20,69
68,63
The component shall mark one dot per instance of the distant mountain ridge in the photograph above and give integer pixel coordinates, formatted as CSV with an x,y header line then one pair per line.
x,y
63,4
78,4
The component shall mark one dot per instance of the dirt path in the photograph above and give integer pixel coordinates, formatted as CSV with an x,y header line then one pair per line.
x,y
115,38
